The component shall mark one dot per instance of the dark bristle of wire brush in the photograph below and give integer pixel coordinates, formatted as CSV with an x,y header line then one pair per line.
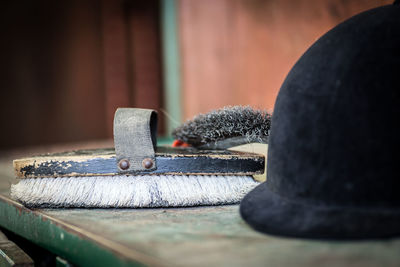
x,y
230,122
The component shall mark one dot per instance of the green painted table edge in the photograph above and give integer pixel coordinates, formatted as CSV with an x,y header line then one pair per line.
x,y
79,248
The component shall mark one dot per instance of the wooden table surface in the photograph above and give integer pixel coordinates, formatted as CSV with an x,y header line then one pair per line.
x,y
202,236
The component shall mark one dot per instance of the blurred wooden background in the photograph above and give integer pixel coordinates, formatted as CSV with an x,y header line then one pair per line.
x,y
66,65
240,51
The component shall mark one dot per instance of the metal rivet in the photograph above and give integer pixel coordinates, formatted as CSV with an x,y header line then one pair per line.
x,y
123,164
147,163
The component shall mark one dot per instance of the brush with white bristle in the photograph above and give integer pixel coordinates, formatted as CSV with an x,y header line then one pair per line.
x,y
176,177
132,191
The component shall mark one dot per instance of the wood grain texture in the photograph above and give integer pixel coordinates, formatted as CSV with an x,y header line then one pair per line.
x,y
50,73
132,57
67,65
145,77
115,39
240,51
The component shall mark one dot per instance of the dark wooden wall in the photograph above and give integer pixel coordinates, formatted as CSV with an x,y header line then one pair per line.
x,y
66,65
50,72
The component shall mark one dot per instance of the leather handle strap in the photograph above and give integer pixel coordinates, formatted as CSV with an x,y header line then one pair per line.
x,y
135,139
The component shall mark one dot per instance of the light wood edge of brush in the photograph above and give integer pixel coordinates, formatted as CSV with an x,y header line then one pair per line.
x,y
257,148
20,164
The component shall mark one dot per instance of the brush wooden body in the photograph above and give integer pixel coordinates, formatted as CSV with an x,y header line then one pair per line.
x,y
178,161
90,178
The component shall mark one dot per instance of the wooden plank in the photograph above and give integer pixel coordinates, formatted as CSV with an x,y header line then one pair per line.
x,y
70,242
240,51
117,88
51,73
204,236
81,104
145,76
207,55
12,255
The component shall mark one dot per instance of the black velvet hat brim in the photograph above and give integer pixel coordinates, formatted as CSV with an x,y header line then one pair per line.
x,y
271,213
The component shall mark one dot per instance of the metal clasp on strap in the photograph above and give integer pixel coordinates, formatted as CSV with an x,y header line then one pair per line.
x,y
135,139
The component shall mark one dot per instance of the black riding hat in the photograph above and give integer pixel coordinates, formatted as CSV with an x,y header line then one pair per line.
x,y
332,167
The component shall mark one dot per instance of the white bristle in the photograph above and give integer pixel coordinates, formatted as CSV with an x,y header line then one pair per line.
x,y
132,191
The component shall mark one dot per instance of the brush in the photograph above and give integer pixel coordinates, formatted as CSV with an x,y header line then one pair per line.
x,y
137,173
238,128
224,128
